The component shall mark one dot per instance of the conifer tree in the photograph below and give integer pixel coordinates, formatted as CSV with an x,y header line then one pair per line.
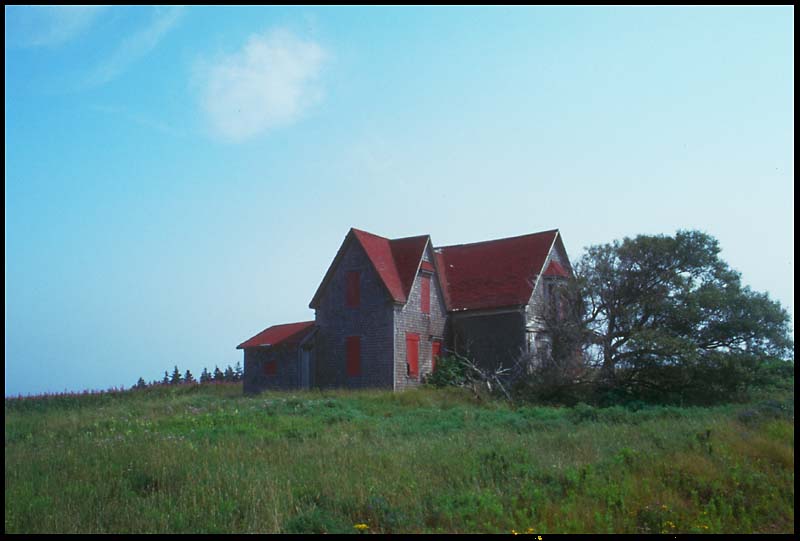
x,y
218,375
205,377
140,384
188,377
165,381
237,371
229,376
176,377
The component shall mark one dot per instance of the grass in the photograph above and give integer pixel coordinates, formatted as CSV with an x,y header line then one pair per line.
x,y
207,459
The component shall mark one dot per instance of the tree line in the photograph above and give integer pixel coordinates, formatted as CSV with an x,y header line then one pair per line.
x,y
229,375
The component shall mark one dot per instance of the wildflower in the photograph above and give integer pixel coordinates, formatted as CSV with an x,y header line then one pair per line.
x,y
514,532
361,527
529,530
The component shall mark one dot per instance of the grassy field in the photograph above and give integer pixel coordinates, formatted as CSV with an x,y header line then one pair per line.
x,y
207,459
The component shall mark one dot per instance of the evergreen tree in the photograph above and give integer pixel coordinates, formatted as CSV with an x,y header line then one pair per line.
x,y
140,384
218,375
176,377
165,381
205,377
229,376
237,371
188,378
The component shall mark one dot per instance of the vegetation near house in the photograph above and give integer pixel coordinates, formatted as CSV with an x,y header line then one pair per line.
x,y
208,459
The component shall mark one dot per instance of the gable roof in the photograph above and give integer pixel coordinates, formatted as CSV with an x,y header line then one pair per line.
x,y
287,334
395,260
495,273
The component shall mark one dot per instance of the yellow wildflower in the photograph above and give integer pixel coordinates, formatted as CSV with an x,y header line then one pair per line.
x,y
360,527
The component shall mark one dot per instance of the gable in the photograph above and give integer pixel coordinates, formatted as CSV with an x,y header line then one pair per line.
x,y
395,261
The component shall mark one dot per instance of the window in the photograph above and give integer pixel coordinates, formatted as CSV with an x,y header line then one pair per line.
x,y
353,293
353,347
425,294
270,368
436,350
412,354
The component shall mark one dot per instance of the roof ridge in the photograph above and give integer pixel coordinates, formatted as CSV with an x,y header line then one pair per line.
x,y
495,240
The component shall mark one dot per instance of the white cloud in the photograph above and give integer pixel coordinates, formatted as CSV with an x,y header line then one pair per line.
x,y
137,45
270,82
42,26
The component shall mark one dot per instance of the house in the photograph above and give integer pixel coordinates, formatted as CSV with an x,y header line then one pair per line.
x,y
387,308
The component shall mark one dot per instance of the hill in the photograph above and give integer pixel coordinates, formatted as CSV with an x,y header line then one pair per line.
x,y
207,459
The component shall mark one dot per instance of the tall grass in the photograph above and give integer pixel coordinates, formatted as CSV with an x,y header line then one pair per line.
x,y
207,459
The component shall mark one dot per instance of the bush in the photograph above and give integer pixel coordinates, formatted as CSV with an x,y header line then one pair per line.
x,y
449,372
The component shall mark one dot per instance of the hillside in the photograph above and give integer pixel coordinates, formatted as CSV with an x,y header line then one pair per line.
x,y
207,459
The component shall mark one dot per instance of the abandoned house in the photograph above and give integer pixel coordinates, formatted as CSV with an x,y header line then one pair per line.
x,y
387,308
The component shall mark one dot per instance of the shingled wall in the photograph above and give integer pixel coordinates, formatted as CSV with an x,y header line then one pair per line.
x,y
429,327
372,321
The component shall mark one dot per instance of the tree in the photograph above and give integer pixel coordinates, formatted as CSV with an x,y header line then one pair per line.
x,y
140,384
176,377
188,377
237,371
229,375
218,375
665,313
165,381
205,377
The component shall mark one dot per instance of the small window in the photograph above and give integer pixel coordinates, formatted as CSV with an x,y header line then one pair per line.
x,y
412,354
425,294
353,291
353,347
270,368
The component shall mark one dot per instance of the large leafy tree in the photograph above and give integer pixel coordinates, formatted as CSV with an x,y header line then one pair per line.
x,y
664,310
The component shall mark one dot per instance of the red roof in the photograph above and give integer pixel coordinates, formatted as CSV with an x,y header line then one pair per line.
x,y
495,273
395,260
286,334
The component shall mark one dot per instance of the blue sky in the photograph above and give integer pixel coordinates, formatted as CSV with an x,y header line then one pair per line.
x,y
178,179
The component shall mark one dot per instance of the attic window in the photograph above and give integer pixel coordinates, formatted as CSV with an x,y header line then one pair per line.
x,y
353,291
425,294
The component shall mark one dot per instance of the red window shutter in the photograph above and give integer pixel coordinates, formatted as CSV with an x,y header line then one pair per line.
x,y
353,346
270,368
436,350
353,294
425,295
412,353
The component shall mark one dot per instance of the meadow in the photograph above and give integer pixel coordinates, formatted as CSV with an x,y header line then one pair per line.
x,y
208,459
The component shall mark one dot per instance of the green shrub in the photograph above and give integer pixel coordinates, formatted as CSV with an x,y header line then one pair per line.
x,y
449,372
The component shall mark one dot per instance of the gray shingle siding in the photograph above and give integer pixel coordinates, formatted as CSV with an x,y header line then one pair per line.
x,y
410,319
286,377
372,321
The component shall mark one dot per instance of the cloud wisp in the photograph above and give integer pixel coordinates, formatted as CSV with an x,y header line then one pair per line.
x,y
272,81
48,26
137,45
